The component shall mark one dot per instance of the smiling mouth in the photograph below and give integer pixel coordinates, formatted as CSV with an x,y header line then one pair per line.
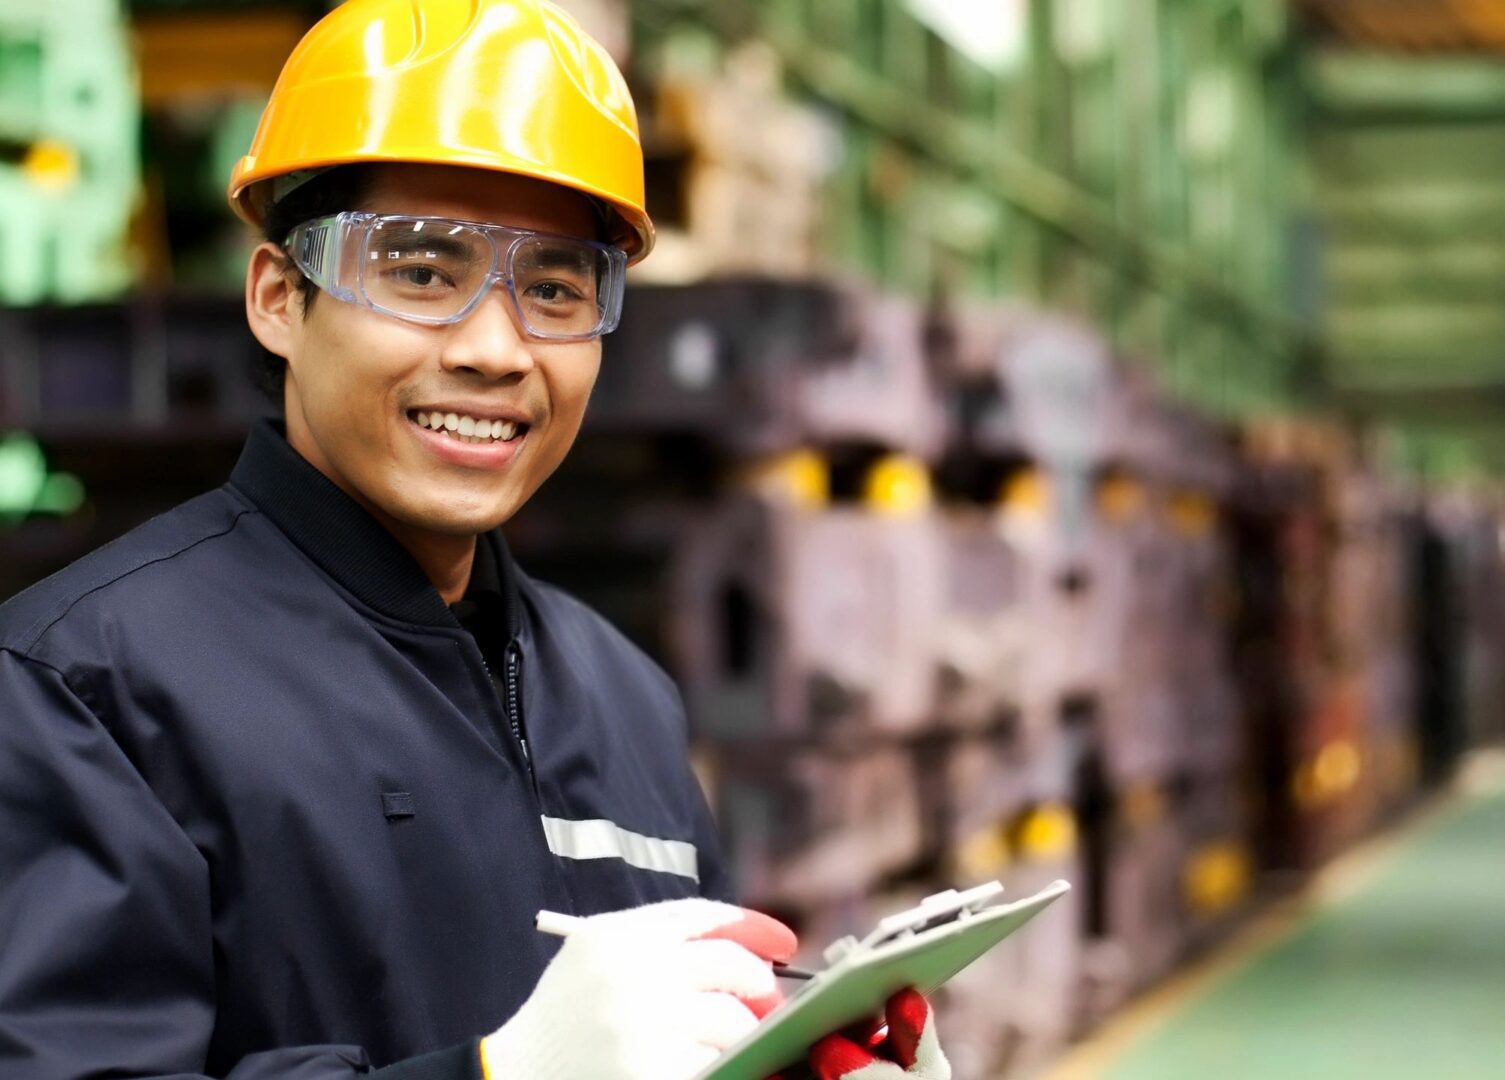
x,y
468,429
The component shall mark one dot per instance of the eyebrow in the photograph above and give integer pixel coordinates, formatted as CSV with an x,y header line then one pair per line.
x,y
561,255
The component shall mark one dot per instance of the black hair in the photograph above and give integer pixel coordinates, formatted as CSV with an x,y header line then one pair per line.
x,y
342,188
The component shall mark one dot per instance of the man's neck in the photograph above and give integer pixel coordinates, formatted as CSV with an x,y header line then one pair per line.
x,y
445,560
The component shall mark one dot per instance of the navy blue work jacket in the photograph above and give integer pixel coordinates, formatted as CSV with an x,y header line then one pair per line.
x,y
264,813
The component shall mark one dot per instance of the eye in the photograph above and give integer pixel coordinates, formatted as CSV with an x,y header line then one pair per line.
x,y
553,291
420,275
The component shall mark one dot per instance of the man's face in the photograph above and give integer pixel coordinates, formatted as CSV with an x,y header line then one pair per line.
x,y
358,381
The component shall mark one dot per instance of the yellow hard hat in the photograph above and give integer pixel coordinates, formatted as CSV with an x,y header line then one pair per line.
x,y
510,85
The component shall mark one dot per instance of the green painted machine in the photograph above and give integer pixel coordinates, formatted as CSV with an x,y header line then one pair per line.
x,y
28,487
69,158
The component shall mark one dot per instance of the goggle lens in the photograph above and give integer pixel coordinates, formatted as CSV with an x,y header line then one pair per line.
x,y
433,270
559,286
419,268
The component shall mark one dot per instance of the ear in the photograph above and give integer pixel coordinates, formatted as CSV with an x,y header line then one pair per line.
x,y
272,304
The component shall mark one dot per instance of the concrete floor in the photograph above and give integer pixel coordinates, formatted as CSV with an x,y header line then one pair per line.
x,y
1392,966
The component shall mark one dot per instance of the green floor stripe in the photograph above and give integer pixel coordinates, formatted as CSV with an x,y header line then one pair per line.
x,y
1403,978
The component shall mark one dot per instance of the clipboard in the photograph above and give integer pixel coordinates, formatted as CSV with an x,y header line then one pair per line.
x,y
921,947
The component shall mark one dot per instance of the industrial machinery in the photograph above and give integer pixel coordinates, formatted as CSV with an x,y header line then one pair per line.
x,y
69,169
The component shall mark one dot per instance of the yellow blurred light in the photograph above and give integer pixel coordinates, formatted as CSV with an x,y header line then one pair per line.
x,y
1048,833
984,854
1120,499
1328,776
1338,766
51,166
898,486
1217,877
1026,492
1193,514
801,477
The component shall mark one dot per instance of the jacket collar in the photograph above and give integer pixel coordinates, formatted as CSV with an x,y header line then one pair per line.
x,y
345,541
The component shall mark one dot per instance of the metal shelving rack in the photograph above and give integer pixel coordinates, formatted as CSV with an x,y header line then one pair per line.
x,y
1136,166
1405,149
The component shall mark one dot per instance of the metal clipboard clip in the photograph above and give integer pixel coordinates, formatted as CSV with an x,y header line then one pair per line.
x,y
937,910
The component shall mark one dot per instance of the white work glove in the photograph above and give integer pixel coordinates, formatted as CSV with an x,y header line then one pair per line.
x,y
911,1050
633,995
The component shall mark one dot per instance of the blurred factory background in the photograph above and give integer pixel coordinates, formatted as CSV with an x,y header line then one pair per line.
x,y
1053,438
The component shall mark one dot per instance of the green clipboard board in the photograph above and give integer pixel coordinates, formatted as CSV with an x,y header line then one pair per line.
x,y
922,947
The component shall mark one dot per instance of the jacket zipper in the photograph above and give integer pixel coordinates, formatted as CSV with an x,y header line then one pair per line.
x,y
511,684
514,702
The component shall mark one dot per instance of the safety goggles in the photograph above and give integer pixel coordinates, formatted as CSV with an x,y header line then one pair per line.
x,y
435,271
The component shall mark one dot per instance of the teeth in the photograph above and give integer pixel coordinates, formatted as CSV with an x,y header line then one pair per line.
x,y
467,428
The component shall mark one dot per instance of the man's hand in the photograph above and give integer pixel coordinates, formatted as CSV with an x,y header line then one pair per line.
x,y
911,1050
653,993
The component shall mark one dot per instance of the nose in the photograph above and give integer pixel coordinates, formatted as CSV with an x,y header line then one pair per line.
x,y
488,341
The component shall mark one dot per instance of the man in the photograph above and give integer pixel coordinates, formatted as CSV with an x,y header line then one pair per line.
x,y
287,773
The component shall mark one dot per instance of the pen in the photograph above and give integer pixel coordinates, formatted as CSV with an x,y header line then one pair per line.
x,y
552,922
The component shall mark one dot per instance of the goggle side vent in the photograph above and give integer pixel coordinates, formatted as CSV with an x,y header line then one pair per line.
x,y
314,242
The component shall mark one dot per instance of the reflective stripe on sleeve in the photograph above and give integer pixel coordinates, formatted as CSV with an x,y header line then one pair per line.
x,y
602,839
